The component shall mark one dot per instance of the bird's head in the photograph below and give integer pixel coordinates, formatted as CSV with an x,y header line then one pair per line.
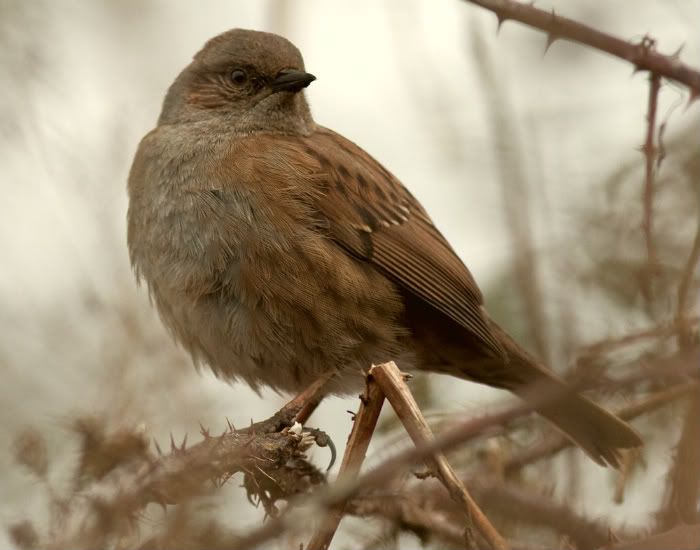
x,y
250,80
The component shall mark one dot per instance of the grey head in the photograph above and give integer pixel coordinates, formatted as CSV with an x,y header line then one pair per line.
x,y
248,80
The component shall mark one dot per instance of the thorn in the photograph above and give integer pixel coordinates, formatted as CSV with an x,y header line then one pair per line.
x,y
173,447
646,150
551,38
694,95
184,443
158,449
204,431
677,54
500,20
231,427
661,131
648,43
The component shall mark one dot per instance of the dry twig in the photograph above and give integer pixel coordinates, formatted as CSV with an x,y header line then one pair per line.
x,y
691,266
411,512
684,476
660,331
650,154
394,387
358,442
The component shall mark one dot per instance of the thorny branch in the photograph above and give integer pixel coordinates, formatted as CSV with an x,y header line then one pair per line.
x,y
642,55
188,472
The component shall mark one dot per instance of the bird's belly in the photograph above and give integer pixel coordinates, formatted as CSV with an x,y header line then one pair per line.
x,y
283,319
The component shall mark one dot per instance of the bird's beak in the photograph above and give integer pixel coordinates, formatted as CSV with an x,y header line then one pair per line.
x,y
290,80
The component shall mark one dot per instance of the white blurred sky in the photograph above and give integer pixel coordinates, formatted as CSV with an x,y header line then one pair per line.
x,y
397,77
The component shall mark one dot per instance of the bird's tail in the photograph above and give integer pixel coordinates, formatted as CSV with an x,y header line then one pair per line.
x,y
599,433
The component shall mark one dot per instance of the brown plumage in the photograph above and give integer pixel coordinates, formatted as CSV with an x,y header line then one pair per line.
x,y
275,249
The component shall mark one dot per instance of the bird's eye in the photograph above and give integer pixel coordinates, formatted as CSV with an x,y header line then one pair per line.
x,y
239,77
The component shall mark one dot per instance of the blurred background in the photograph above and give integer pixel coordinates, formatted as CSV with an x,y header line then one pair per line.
x,y
529,163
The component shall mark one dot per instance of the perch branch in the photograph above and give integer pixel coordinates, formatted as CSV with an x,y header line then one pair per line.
x,y
185,473
263,448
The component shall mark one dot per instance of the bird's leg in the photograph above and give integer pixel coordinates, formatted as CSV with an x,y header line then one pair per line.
x,y
303,406
308,409
297,410
321,438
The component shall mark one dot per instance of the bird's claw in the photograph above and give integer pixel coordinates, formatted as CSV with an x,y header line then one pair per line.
x,y
322,439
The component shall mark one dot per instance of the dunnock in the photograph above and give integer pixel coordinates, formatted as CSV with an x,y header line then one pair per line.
x,y
276,249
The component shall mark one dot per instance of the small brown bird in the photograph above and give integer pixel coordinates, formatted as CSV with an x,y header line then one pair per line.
x,y
276,249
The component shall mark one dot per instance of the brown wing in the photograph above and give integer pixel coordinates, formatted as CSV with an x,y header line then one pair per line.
x,y
373,216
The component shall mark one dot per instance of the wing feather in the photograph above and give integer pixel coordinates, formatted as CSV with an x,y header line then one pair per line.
x,y
371,215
